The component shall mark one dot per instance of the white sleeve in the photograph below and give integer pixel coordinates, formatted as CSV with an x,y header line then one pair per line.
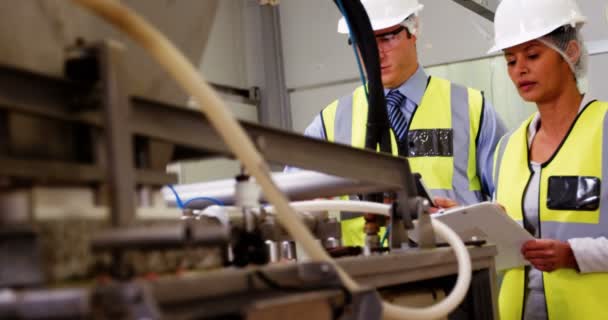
x,y
591,254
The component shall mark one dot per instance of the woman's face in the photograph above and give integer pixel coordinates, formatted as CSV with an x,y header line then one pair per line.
x,y
538,72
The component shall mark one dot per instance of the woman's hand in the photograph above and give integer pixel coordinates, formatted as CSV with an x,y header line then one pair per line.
x,y
549,255
443,203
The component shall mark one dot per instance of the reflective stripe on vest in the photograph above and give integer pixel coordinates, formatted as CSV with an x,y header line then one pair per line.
x,y
582,155
443,104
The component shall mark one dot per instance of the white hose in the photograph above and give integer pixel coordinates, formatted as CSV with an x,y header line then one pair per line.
x,y
240,144
217,112
338,205
436,311
451,302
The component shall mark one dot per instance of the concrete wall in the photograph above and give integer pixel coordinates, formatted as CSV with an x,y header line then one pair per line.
x,y
232,57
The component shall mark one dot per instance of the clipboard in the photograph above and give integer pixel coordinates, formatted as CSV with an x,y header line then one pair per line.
x,y
487,221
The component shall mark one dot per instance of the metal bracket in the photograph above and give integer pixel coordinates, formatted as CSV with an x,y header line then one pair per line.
x,y
401,211
479,8
398,233
426,239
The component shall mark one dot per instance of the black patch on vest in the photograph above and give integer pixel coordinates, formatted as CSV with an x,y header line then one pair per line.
x,y
574,193
430,143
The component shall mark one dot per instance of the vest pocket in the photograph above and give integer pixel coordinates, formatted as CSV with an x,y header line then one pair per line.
x,y
573,193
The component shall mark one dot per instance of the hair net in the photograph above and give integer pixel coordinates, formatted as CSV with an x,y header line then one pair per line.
x,y
412,23
559,39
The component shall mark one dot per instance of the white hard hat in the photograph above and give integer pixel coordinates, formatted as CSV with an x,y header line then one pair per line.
x,y
520,21
385,13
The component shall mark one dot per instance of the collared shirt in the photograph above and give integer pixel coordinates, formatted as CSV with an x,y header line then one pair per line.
x,y
492,128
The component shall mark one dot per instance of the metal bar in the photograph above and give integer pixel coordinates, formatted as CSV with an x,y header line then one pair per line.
x,y
478,8
50,171
154,178
376,271
249,95
186,127
119,141
274,108
41,304
69,172
176,236
301,185
38,93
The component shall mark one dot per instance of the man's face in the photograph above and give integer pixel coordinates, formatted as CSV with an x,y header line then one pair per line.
x,y
398,57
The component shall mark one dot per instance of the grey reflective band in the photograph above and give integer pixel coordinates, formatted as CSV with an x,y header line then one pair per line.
x,y
430,143
461,135
502,145
604,191
344,120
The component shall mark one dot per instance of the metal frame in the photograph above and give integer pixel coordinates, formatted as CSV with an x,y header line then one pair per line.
x,y
119,149
55,98
207,295
478,8
274,109
107,108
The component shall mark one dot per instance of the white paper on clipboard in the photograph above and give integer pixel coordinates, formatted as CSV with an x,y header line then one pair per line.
x,y
489,222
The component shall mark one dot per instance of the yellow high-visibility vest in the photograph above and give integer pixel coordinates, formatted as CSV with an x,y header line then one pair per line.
x,y
569,207
442,136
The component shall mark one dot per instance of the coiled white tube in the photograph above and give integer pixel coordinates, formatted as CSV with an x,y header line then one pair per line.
x,y
240,144
438,310
459,291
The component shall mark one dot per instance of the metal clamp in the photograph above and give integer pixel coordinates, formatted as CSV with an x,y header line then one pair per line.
x,y
426,234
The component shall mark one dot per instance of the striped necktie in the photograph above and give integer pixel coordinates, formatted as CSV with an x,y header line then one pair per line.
x,y
394,99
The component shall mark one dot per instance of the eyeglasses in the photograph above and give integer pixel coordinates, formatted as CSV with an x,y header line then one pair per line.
x,y
387,40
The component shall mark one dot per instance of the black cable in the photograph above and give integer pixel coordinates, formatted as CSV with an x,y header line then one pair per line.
x,y
378,127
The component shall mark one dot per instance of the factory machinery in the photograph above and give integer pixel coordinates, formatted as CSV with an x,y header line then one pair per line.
x,y
224,253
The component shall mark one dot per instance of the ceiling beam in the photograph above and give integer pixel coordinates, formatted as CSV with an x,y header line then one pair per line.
x,y
484,10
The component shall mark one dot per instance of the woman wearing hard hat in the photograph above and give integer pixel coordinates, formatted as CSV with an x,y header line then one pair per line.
x,y
549,171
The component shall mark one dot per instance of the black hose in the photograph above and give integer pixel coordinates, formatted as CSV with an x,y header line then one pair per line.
x,y
377,119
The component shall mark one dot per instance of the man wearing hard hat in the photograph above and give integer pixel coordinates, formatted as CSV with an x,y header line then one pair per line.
x,y
451,131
